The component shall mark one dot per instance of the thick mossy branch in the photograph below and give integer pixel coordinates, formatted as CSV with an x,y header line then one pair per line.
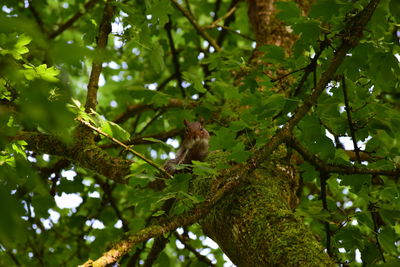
x,y
83,153
43,143
257,216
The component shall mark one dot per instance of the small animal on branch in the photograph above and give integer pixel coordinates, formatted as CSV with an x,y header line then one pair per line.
x,y
193,147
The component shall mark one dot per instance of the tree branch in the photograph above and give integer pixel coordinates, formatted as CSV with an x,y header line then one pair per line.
x,y
87,156
323,177
124,246
104,30
336,168
201,31
185,241
72,20
138,108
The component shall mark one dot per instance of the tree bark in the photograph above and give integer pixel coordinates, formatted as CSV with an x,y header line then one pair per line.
x,y
256,225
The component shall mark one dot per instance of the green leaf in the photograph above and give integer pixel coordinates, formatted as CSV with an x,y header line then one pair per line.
x,y
288,11
273,53
309,172
150,139
157,57
388,239
116,131
159,213
355,181
41,72
195,80
224,139
239,154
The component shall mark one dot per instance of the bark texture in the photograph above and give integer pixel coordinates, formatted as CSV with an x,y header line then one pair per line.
x,y
256,225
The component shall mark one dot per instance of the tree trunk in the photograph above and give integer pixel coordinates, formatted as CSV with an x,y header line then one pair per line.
x,y
256,225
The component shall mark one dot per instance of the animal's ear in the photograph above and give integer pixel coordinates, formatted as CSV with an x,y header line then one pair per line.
x,y
201,120
186,122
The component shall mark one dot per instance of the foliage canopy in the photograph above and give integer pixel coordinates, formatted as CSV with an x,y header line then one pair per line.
x,y
134,70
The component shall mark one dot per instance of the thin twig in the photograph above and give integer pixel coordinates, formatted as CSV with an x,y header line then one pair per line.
x,y
323,178
142,140
12,256
185,241
235,32
336,168
217,21
201,31
72,20
37,17
166,81
227,21
374,216
217,6
108,190
287,74
150,162
139,108
311,67
349,119
158,114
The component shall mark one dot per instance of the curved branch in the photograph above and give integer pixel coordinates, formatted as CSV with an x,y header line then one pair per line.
x,y
124,246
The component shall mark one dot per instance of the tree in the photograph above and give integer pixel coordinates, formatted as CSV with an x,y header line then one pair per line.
x,y
301,99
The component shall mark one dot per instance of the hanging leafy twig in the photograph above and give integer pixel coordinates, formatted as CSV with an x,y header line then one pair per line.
x,y
150,162
350,38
